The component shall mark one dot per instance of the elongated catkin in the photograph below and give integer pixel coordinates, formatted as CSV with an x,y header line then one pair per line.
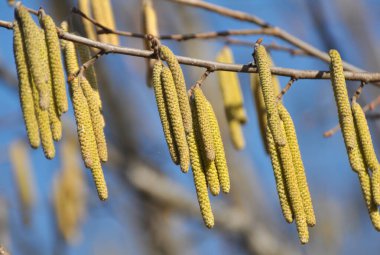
x,y
220,157
291,138
102,11
180,86
163,112
32,42
368,151
89,28
205,130
200,181
173,108
236,133
263,65
25,89
373,211
84,56
55,63
279,178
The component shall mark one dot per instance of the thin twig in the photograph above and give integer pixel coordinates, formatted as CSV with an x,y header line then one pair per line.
x,y
86,65
200,81
358,92
287,87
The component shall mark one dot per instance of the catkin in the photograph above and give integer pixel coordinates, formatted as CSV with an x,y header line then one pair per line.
x,y
368,151
203,120
163,112
149,26
84,6
279,178
200,181
174,112
291,137
32,42
102,11
236,133
180,86
85,55
55,63
274,123
220,157
25,90
23,177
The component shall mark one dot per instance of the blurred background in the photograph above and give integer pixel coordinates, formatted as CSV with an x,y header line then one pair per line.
x,y
152,206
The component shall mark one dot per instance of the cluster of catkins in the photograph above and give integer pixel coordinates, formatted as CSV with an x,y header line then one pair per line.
x,y
357,139
42,90
191,131
282,145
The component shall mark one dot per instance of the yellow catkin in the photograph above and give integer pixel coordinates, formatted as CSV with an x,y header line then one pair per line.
x,y
23,177
84,6
279,178
220,157
163,112
236,133
263,65
200,182
291,137
209,167
25,89
149,26
367,148
84,56
32,42
180,86
290,176
205,130
102,11
174,113
96,118
55,63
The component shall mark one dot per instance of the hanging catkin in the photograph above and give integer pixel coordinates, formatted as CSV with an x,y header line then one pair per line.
x,y
279,178
180,86
174,113
291,138
32,41
55,63
373,211
368,151
84,6
23,177
149,26
220,157
102,11
25,89
163,112
274,123
205,130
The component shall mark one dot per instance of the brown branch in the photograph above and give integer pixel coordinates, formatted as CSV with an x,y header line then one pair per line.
x,y
217,66
86,65
358,92
287,87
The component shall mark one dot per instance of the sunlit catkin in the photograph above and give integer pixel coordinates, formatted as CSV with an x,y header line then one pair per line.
x,y
368,151
89,28
174,113
163,112
263,65
22,171
180,86
55,63
25,89
236,133
200,182
291,137
279,178
32,42
102,11
149,26
220,157
203,120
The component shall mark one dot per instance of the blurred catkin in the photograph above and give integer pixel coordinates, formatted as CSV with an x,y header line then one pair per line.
x,y
265,76
279,178
22,171
55,63
291,137
220,157
89,28
236,133
180,86
25,89
102,11
149,26
163,112
174,113
32,42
